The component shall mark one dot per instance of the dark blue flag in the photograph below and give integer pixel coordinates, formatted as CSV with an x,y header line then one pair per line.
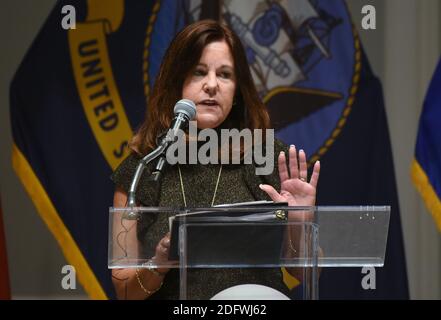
x,y
80,93
426,167
74,101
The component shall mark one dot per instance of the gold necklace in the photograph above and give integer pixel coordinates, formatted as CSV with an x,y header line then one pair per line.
x,y
215,189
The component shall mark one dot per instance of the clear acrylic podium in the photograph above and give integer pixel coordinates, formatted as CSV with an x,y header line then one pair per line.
x,y
294,240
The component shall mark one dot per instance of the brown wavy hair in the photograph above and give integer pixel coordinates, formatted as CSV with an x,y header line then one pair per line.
x,y
180,59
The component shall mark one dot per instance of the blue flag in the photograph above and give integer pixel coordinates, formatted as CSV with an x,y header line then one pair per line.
x,y
426,167
80,93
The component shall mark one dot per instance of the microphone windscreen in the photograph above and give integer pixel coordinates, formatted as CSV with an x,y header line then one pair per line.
x,y
187,107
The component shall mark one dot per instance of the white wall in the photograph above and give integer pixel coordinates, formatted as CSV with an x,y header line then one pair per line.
x,y
403,51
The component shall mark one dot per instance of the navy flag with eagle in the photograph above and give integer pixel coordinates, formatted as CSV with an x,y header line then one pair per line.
x,y
79,94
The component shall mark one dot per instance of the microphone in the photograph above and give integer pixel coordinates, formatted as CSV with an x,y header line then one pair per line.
x,y
185,111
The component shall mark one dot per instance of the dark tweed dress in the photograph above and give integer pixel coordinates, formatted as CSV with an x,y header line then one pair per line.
x,y
238,183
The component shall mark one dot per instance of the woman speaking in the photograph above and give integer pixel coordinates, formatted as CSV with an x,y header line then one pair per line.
x,y
205,63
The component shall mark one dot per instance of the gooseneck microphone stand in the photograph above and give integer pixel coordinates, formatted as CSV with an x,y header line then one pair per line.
x,y
159,151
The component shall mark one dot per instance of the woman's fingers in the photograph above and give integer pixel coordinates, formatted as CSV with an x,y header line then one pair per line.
x,y
303,174
273,194
293,165
315,174
161,250
166,240
163,246
283,169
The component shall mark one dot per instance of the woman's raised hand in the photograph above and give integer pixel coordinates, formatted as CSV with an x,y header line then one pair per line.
x,y
295,188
